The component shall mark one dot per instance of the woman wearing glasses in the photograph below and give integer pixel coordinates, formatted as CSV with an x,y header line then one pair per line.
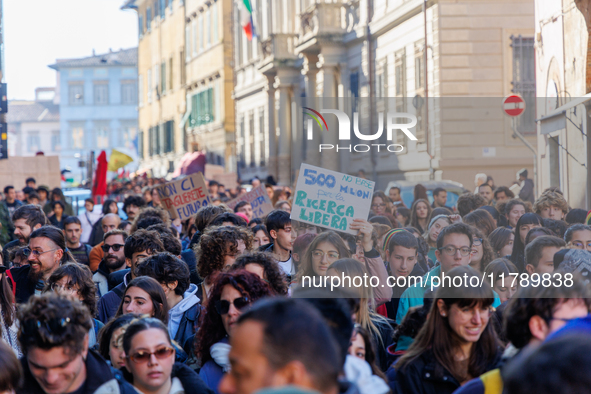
x,y
455,344
231,293
381,205
74,281
150,359
482,253
8,329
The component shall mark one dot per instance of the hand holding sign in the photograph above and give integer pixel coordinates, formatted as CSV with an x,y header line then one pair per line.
x,y
364,230
184,197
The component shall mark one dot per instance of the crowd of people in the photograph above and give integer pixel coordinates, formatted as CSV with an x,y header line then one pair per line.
x,y
132,301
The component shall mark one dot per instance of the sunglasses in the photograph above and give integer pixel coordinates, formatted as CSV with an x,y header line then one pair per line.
x,y
27,252
116,247
53,327
143,356
223,307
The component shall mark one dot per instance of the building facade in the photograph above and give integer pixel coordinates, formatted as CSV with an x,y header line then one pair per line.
x,y
563,79
34,126
97,98
162,80
387,55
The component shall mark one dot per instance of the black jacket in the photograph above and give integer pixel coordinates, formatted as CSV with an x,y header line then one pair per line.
x,y
98,373
6,251
425,375
25,288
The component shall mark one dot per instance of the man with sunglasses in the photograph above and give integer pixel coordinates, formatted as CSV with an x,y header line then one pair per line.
x,y
113,260
54,337
454,246
109,222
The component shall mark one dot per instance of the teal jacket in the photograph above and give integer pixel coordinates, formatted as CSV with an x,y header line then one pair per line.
x,y
413,296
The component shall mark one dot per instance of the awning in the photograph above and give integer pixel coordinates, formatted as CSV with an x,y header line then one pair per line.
x,y
556,120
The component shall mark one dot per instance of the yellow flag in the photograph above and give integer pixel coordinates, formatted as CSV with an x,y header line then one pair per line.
x,y
118,160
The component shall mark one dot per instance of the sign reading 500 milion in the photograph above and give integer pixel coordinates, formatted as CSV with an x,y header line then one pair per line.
x,y
331,199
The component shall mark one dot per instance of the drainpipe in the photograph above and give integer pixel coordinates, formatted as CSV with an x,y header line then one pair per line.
x,y
370,65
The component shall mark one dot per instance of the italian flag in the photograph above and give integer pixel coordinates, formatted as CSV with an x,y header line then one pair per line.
x,y
246,19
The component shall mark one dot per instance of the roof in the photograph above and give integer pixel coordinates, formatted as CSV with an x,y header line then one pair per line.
x,y
32,111
124,57
129,4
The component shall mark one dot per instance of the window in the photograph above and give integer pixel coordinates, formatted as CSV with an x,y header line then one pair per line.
x,y
33,141
102,136
157,81
419,66
162,9
187,42
156,9
168,141
76,94
554,158
354,86
170,84
148,18
163,77
251,135
141,25
202,108
208,27
262,142
400,90
200,21
524,81
140,144
100,72
149,86
128,92
194,26
214,13
240,142
381,89
55,141
101,94
140,79
77,138
169,5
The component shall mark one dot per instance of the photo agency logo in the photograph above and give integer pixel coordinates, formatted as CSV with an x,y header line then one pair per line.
x,y
396,122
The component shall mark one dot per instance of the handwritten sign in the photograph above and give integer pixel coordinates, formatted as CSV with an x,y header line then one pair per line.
x,y
183,198
330,199
258,198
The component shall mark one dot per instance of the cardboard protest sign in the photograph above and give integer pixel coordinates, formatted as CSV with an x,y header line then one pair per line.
x,y
331,199
183,198
258,198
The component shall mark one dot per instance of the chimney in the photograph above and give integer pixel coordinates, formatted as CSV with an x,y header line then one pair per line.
x,y
93,53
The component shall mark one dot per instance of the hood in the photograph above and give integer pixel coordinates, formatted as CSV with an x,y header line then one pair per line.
x,y
103,270
189,299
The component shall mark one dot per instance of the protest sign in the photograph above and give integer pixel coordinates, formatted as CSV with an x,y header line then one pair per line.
x,y
258,198
183,198
331,199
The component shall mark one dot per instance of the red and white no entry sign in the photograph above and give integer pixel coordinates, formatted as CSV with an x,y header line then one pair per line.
x,y
513,105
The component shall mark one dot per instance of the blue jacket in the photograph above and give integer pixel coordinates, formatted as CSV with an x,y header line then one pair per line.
x,y
109,303
212,374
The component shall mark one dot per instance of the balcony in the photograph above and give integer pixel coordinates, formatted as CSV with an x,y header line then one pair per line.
x,y
278,49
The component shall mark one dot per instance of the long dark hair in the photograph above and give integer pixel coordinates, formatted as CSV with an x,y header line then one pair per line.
x,y
81,276
212,329
370,350
499,238
414,220
154,290
306,266
437,336
518,256
6,299
106,333
57,237
106,206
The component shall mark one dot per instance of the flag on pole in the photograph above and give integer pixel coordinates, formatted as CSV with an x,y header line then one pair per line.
x,y
246,19
118,159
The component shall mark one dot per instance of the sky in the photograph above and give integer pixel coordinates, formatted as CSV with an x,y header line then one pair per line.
x,y
37,32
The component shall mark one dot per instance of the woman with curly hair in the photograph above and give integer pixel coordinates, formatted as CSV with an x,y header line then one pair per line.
x,y
420,214
217,250
232,292
74,281
482,253
266,267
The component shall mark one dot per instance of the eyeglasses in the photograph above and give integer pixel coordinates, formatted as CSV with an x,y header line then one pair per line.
x,y
143,356
581,245
477,241
223,306
67,288
451,250
27,252
319,255
116,247
382,205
